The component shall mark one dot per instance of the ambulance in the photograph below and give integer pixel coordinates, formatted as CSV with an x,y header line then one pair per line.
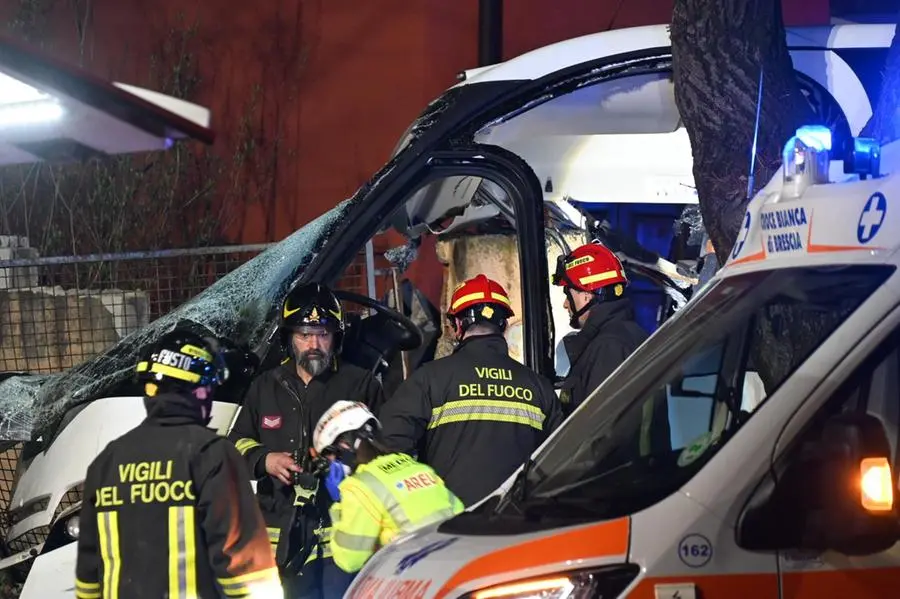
x,y
774,475
500,154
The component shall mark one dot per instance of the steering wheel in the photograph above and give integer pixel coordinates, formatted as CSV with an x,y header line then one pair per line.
x,y
409,335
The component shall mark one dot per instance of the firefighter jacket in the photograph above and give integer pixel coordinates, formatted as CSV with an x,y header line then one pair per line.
x,y
169,512
391,495
474,416
279,414
607,338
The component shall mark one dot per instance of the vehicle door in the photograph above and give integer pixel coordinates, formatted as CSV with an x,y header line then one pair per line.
x,y
427,191
857,564
873,389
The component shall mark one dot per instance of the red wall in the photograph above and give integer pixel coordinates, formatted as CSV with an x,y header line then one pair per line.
x,y
340,81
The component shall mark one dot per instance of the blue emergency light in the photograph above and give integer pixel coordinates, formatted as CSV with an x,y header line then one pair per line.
x,y
817,137
863,158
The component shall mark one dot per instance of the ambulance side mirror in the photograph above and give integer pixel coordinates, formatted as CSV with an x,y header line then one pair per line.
x,y
835,492
695,385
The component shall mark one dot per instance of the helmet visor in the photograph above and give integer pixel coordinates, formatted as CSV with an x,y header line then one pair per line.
x,y
560,277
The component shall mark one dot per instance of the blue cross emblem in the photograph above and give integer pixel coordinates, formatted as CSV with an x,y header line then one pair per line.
x,y
871,218
742,236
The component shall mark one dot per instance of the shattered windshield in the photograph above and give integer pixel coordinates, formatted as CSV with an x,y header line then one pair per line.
x,y
688,390
236,307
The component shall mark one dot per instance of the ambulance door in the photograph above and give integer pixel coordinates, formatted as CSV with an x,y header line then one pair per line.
x,y
862,565
873,389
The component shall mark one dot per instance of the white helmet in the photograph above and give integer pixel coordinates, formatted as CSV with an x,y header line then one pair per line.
x,y
342,417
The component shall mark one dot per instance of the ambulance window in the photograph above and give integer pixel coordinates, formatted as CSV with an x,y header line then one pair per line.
x,y
682,395
874,388
880,396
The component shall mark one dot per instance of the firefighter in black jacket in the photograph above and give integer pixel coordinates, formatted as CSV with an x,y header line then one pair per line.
x,y
275,426
594,282
168,510
478,414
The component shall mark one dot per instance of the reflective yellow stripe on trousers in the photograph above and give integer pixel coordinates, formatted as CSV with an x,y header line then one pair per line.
x,y
182,553
323,544
108,536
274,536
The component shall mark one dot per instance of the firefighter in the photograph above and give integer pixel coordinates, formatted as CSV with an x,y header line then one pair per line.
x,y
273,431
594,282
384,495
476,415
168,510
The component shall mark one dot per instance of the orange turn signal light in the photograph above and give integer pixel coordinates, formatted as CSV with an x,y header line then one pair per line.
x,y
877,484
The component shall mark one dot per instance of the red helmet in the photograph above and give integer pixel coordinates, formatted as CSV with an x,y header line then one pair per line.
x,y
480,298
590,267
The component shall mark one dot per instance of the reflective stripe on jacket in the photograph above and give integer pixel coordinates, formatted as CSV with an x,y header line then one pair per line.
x,y
168,512
393,494
480,399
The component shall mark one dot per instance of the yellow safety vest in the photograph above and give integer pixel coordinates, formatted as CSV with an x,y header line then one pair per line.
x,y
393,494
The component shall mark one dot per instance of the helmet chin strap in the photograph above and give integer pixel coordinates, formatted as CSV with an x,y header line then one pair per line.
x,y
574,320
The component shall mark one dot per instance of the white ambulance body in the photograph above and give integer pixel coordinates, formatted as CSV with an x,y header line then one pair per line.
x,y
776,472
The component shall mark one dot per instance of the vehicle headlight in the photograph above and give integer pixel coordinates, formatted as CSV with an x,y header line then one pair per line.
x,y
65,529
601,583
73,526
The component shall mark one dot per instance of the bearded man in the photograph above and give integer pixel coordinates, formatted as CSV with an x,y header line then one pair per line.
x,y
274,433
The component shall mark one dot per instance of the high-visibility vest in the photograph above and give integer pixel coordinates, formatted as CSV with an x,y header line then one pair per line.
x,y
393,494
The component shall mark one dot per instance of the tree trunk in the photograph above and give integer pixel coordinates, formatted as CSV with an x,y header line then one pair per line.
x,y
885,122
718,49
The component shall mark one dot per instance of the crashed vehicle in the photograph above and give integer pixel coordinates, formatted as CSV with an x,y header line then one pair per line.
x,y
775,474
590,119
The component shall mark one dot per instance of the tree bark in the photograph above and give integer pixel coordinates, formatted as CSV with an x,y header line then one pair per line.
x,y
885,122
718,49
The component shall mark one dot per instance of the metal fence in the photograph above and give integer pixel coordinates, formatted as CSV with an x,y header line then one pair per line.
x,y
56,312
59,311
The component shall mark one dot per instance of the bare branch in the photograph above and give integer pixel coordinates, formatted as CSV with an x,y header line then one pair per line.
x,y
188,196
